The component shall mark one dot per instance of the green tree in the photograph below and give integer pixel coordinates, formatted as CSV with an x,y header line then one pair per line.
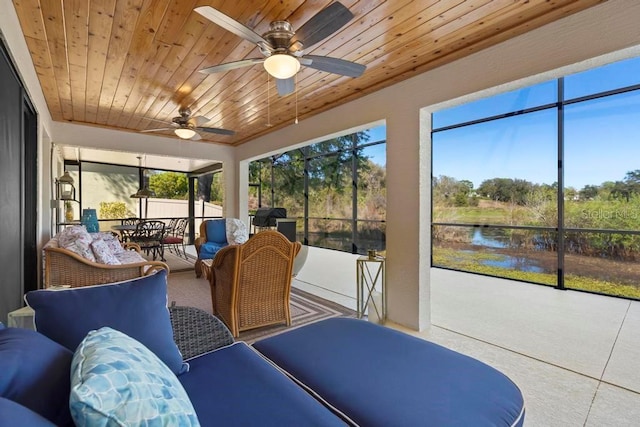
x,y
170,185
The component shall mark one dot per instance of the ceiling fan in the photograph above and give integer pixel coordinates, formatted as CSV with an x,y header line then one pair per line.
x,y
283,48
185,126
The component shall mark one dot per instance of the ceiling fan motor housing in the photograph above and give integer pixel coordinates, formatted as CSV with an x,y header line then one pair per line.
x,y
279,35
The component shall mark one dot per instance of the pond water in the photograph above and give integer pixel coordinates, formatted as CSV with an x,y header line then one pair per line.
x,y
498,239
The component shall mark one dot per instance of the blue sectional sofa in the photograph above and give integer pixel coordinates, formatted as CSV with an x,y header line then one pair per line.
x,y
115,355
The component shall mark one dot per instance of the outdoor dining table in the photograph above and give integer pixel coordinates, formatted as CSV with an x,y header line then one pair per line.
x,y
125,230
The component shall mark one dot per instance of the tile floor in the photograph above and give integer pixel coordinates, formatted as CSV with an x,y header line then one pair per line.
x,y
575,356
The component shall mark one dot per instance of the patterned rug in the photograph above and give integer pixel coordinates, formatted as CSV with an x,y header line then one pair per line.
x,y
186,289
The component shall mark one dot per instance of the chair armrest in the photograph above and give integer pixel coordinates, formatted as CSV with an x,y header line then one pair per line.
x,y
197,332
199,242
130,246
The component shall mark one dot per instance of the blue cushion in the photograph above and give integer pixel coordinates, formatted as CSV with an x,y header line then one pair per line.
x,y
115,380
381,377
34,372
210,249
235,386
216,231
11,412
137,308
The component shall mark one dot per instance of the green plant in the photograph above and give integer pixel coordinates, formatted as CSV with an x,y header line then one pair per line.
x,y
114,210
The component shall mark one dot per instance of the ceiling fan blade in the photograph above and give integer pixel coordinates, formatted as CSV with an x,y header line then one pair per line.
x,y
219,131
231,25
199,120
285,86
336,65
195,137
322,25
156,130
232,65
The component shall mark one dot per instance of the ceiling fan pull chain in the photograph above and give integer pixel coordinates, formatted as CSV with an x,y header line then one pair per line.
x,y
296,90
268,102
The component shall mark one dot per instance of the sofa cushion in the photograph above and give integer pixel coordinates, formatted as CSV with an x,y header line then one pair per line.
x,y
210,249
103,253
216,231
78,240
115,380
34,372
130,257
136,307
110,239
237,377
11,411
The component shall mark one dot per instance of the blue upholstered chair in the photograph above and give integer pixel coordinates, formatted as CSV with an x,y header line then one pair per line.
x,y
215,234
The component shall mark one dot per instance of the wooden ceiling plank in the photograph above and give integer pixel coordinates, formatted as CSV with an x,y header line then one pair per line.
x,y
53,18
100,27
76,14
39,50
151,16
124,21
30,17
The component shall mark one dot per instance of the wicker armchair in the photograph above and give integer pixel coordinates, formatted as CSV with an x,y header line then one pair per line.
x,y
251,282
65,268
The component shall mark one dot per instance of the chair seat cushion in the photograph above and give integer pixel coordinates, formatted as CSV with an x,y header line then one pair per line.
x,y
171,240
210,249
224,383
381,377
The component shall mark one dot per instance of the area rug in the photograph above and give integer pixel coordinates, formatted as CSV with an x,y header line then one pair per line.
x,y
186,289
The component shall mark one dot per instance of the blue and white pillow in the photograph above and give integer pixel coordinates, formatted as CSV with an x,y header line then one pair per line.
x,y
115,380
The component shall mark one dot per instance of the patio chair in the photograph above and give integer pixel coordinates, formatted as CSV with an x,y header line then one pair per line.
x,y
149,235
175,235
216,234
251,282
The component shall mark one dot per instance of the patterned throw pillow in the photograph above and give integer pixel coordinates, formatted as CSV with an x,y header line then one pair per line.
x,y
115,380
102,253
111,241
78,240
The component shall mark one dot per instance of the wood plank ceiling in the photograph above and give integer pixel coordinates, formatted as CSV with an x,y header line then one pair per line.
x,y
128,64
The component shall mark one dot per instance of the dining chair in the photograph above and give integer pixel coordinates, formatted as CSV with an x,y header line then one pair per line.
x,y
175,237
149,235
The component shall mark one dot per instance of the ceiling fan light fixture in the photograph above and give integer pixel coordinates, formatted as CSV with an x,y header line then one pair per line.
x,y
282,65
185,133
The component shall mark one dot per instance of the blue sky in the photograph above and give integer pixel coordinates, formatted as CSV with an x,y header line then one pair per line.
x,y
602,136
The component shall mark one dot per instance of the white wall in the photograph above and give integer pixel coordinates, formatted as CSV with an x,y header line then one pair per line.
x,y
606,28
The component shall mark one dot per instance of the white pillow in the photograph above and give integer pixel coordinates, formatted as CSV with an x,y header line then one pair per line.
x,y
115,380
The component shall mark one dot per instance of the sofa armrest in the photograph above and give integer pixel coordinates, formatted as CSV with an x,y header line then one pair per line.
x,y
197,332
63,267
131,246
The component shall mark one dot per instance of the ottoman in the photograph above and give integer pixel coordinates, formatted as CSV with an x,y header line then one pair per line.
x,y
377,376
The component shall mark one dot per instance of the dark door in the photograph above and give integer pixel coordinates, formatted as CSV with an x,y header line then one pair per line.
x,y
18,189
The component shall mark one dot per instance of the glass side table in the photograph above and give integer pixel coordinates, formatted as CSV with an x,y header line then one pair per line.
x,y
371,288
